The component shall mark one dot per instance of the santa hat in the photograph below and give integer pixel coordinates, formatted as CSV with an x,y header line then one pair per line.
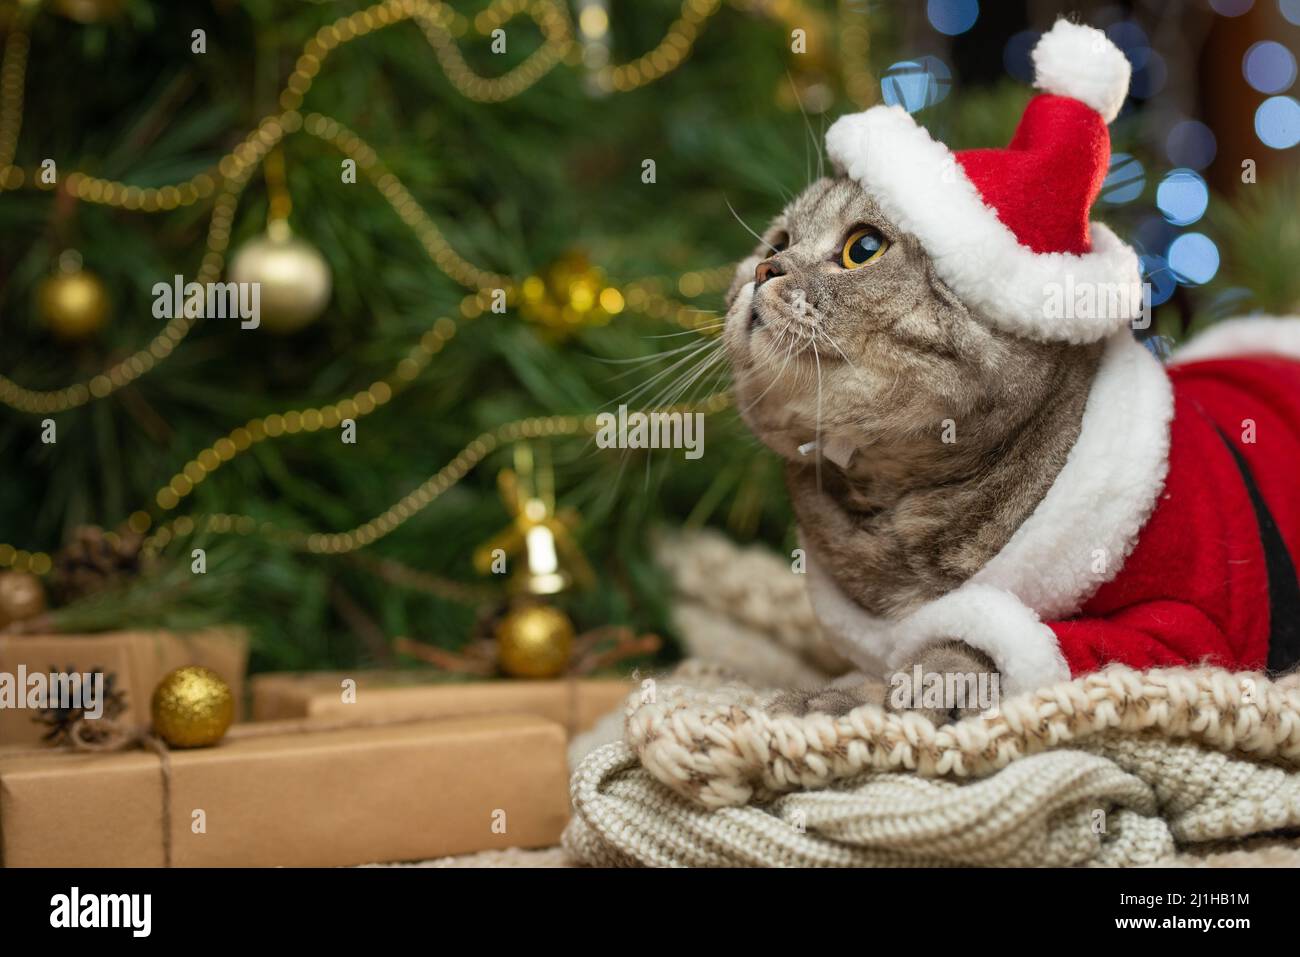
x,y
1008,229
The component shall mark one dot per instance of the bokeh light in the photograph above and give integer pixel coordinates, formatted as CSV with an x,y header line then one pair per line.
x,y
952,17
1192,144
1150,78
1125,179
1277,122
1132,39
1269,67
1290,10
1153,236
1157,274
1016,54
1231,8
1194,259
916,84
1182,197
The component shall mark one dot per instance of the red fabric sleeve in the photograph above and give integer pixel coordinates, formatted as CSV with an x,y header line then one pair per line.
x,y
1152,634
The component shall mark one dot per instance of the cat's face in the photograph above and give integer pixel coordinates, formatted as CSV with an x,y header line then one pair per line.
x,y
839,318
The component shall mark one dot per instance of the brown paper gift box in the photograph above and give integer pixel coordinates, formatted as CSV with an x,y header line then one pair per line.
x,y
138,658
305,799
576,705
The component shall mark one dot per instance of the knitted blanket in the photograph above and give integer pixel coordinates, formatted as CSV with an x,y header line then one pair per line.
x,y
1116,768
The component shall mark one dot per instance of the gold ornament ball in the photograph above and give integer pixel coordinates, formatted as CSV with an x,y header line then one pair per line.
x,y
534,641
192,707
21,597
73,305
295,279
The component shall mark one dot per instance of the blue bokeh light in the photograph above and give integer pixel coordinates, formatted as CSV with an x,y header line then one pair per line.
x,y
1182,197
951,17
1157,274
1150,78
1125,180
1269,67
1290,10
1277,122
1153,236
916,84
1015,56
1194,258
1131,39
1192,144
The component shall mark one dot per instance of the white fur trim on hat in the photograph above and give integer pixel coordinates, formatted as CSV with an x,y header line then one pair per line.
x,y
1076,539
1080,62
924,191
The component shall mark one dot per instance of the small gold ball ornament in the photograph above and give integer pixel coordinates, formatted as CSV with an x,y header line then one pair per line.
x,y
534,641
192,707
294,278
73,302
21,597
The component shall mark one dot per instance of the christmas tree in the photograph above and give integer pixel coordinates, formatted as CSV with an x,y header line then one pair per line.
x,y
475,227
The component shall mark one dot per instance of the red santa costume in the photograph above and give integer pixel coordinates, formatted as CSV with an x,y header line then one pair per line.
x,y
1168,536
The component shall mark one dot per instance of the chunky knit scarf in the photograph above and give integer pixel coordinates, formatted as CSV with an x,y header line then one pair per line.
x,y
1115,768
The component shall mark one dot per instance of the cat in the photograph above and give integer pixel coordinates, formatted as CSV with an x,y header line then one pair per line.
x,y
825,354
919,440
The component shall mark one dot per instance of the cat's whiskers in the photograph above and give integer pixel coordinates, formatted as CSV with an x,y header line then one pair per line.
x,y
747,227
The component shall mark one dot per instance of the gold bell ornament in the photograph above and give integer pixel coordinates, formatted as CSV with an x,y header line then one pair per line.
x,y
192,707
539,542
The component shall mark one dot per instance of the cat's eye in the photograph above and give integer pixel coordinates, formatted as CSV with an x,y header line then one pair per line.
x,y
863,246
780,241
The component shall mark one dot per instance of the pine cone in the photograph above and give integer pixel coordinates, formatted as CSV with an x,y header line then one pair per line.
x,y
94,560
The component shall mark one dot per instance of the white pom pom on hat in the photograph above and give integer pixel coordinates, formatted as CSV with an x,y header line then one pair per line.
x,y
1080,62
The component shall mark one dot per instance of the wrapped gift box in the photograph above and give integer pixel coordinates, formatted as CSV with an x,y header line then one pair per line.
x,y
575,704
293,797
139,659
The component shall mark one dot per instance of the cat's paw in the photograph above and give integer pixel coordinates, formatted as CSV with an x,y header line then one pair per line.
x,y
837,698
968,679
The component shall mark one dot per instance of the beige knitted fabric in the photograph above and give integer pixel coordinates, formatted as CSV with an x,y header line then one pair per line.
x,y
1117,768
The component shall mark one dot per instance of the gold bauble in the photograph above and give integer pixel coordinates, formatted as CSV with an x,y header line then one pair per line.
x,y
295,279
21,597
192,707
72,304
534,641
88,11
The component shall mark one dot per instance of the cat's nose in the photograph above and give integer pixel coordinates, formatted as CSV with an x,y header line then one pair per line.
x,y
767,269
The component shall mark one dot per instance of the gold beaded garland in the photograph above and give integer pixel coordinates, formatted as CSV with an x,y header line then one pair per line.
x,y
192,707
